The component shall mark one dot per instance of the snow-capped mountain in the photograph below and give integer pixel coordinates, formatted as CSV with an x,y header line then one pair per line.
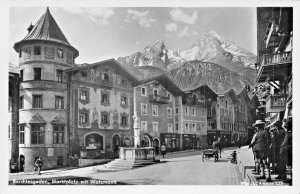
x,y
211,48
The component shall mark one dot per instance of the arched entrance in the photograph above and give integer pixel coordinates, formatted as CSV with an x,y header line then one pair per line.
x,y
116,143
156,145
145,142
93,141
22,163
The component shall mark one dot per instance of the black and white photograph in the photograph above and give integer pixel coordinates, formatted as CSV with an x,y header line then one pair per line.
x,y
129,94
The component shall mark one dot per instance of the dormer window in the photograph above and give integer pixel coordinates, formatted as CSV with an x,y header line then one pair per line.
x,y
37,50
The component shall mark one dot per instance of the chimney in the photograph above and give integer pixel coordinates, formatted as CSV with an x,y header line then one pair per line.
x,y
30,28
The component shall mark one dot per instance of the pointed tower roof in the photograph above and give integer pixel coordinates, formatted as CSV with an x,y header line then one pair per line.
x,y
46,29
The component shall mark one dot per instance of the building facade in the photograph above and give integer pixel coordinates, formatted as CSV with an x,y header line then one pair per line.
x,y
43,56
100,100
275,49
155,102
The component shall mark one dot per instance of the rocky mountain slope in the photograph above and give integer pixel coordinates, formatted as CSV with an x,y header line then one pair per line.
x,y
219,63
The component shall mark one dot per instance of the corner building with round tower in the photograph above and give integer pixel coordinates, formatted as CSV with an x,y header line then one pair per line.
x,y
44,54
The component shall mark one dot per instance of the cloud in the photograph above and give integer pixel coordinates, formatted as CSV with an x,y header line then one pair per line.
x,y
180,16
96,15
187,32
171,27
144,19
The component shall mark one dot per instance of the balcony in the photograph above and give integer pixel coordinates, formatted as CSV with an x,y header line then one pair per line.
x,y
275,103
275,66
159,99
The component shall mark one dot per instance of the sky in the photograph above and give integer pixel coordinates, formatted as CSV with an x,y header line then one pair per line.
x,y
101,33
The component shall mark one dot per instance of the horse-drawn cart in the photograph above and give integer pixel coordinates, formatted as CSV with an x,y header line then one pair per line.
x,y
210,153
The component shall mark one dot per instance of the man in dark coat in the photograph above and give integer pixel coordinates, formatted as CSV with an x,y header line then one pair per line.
x,y
285,151
261,144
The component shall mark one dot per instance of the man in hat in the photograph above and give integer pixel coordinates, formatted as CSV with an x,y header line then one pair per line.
x,y
261,144
277,136
285,151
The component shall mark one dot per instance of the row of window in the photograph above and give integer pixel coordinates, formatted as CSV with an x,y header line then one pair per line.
x,y
37,74
193,111
192,126
155,126
155,93
48,53
84,96
105,118
144,110
37,102
38,134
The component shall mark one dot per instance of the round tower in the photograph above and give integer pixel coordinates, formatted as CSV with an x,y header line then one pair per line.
x,y
44,54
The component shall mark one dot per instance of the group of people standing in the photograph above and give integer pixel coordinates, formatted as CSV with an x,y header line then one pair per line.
x,y
272,146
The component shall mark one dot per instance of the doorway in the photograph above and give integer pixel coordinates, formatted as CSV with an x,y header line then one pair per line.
x,y
116,143
156,146
22,163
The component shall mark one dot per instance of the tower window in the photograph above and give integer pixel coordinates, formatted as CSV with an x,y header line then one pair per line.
x,y
37,73
59,75
37,101
60,53
37,50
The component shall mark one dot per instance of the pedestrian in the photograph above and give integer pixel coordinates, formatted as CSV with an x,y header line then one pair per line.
x,y
285,151
261,144
38,164
163,150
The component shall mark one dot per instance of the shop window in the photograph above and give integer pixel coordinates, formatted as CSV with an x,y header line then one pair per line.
x,y
21,134
59,102
37,101
37,50
37,134
37,73
58,134
59,75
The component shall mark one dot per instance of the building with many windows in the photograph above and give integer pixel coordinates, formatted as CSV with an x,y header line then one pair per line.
x,y
156,102
275,46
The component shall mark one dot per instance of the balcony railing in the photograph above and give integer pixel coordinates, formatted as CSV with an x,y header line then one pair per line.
x,y
275,103
159,99
279,58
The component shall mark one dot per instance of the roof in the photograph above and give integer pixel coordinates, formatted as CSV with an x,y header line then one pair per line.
x,y
13,69
231,93
111,62
166,82
46,29
199,87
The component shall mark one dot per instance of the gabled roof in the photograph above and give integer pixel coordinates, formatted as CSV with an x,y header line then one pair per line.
x,y
205,87
109,62
244,94
166,82
232,95
46,29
